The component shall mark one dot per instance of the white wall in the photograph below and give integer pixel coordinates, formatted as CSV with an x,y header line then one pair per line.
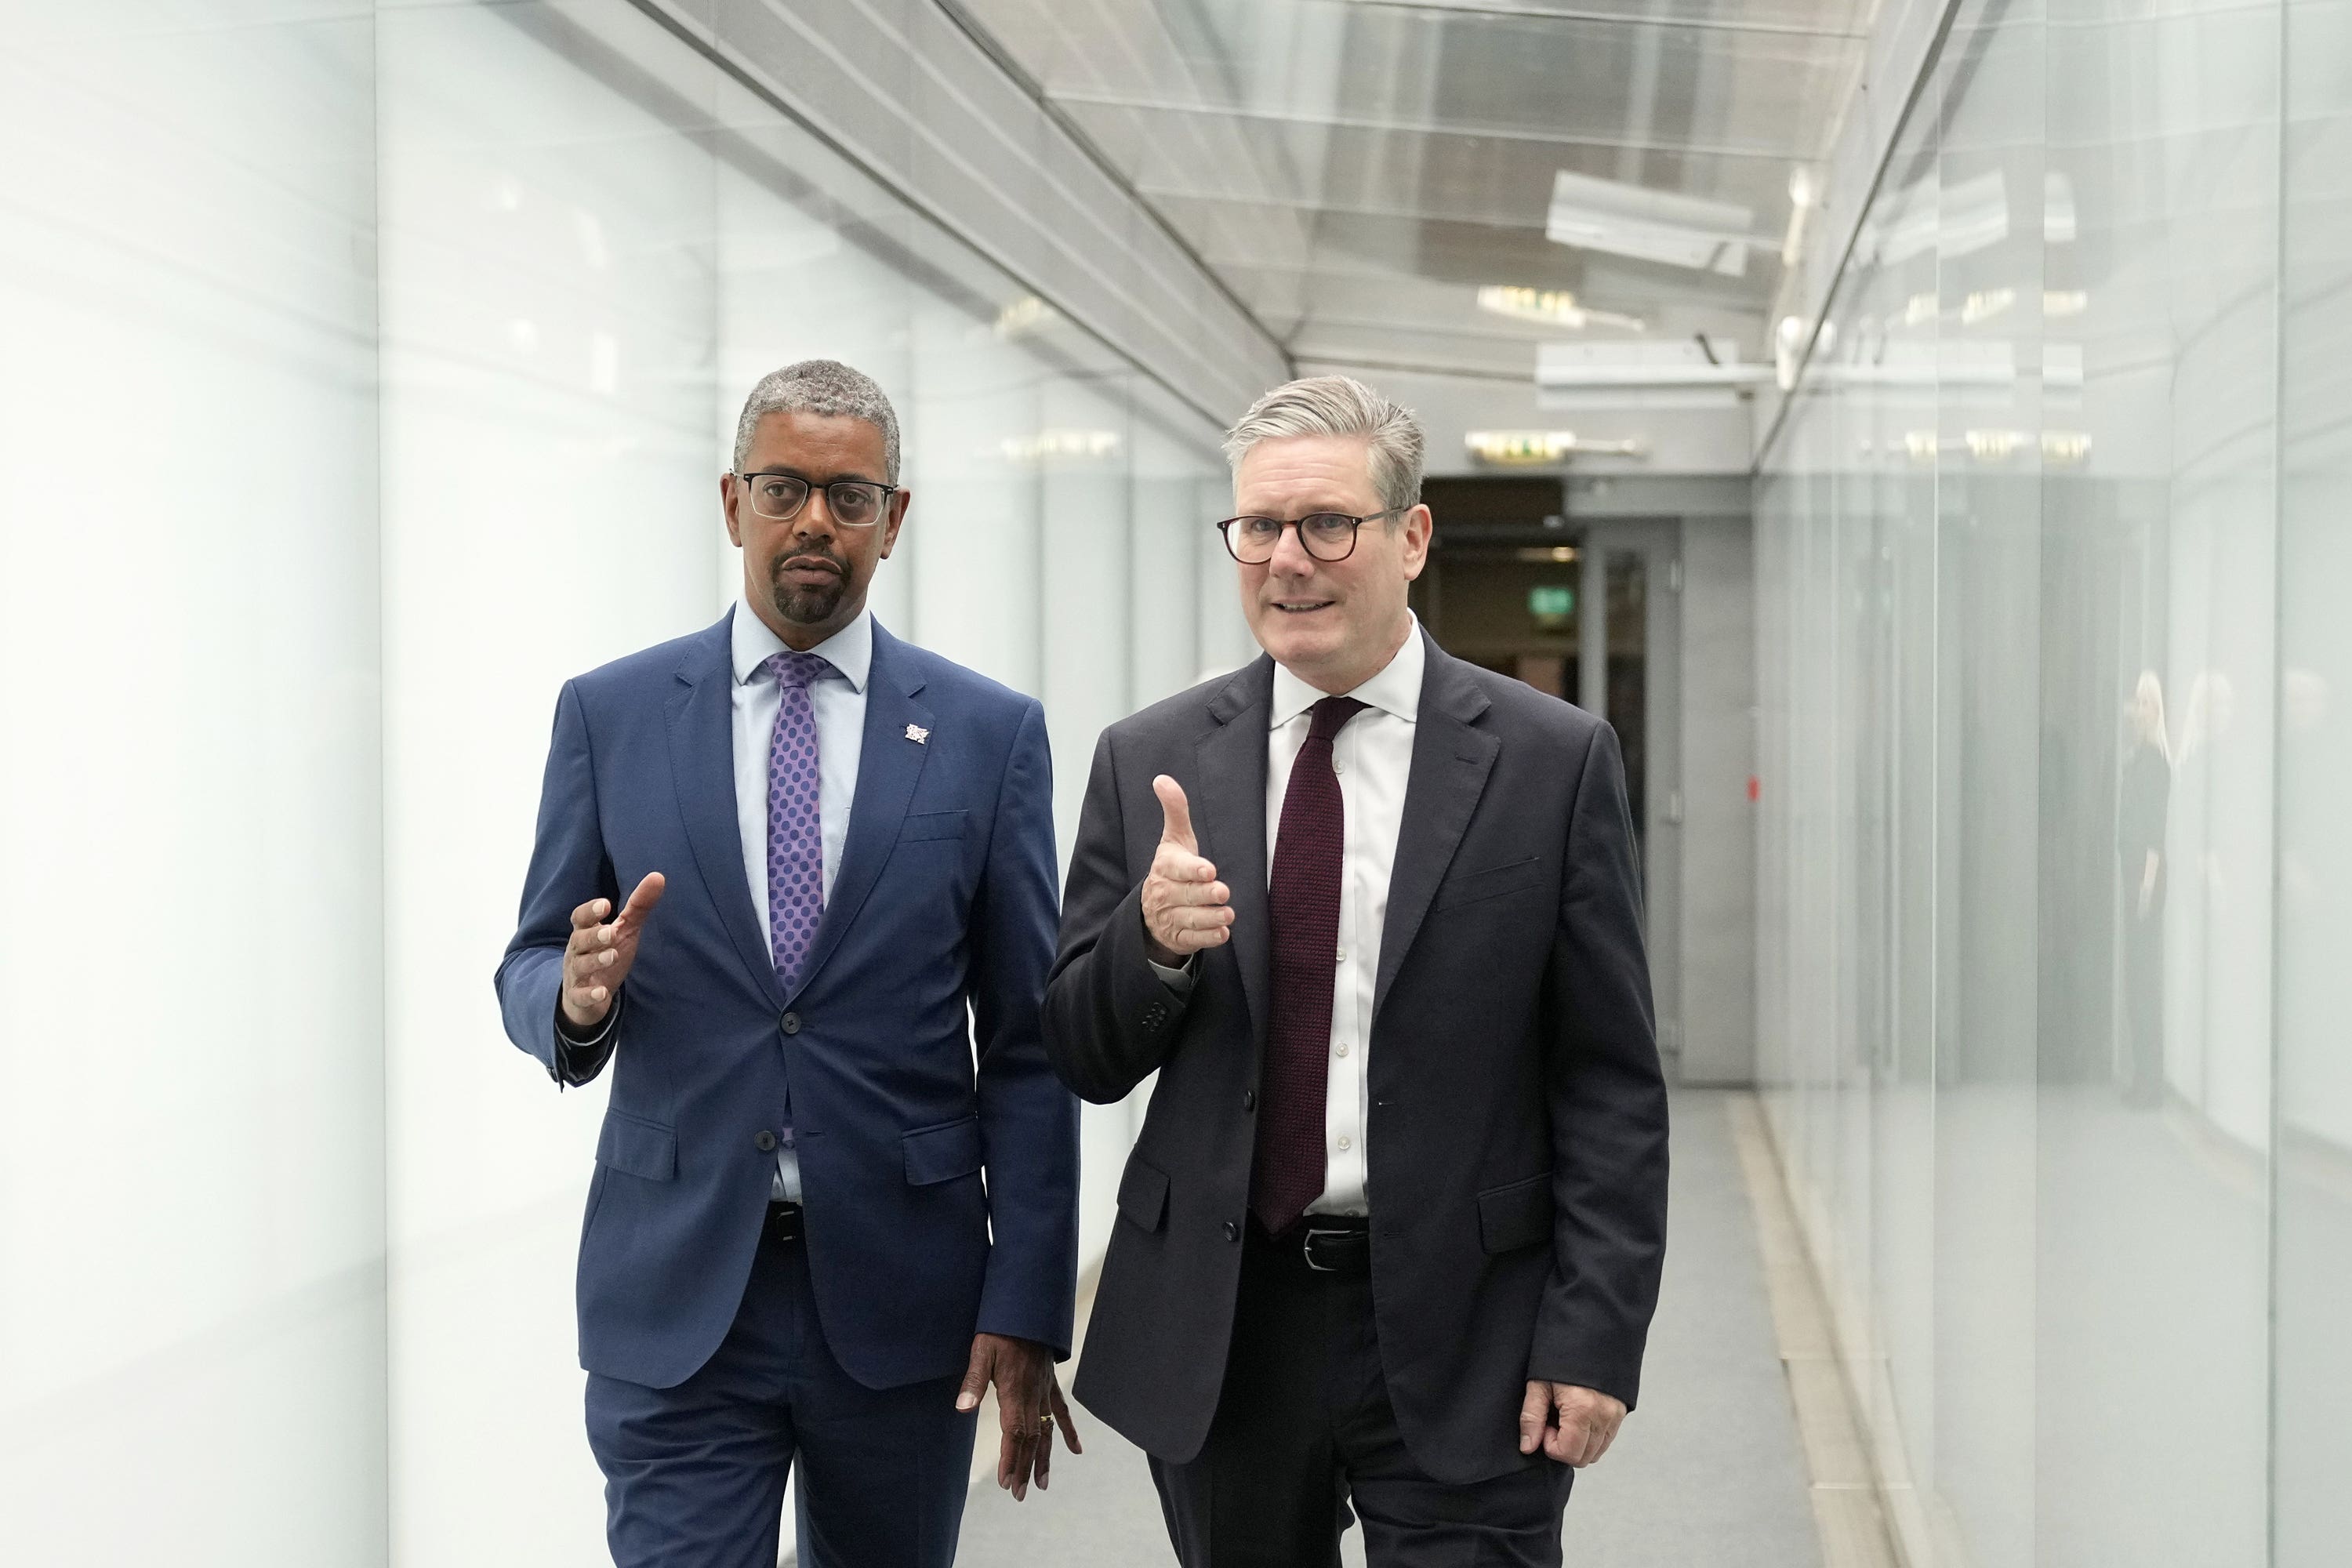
x,y
369,372
192,1317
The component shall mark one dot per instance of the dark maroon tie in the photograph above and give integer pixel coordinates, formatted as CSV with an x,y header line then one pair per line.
x,y
1302,899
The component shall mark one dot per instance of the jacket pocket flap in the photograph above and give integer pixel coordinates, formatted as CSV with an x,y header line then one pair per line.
x,y
942,1154
1143,1193
931,824
641,1148
1516,1215
1492,882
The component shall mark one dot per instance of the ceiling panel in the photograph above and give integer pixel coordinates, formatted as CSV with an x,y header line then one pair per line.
x,y
1355,170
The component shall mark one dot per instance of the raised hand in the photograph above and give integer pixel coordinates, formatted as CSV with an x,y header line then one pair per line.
x,y
1185,908
597,958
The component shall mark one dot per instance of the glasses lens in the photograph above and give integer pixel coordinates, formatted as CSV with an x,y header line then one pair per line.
x,y
854,504
1253,538
1327,535
777,495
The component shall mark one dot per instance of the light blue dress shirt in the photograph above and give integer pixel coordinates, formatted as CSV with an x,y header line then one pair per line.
x,y
837,700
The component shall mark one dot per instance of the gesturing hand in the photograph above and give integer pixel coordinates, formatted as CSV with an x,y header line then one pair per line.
x,y
1185,908
1575,1425
1029,1405
597,958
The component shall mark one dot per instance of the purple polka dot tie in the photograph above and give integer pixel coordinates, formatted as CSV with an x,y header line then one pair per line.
x,y
796,828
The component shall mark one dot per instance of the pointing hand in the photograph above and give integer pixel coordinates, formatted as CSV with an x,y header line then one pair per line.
x,y
598,957
1185,908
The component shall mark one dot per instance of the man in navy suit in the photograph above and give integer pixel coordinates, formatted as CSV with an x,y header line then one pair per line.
x,y
840,849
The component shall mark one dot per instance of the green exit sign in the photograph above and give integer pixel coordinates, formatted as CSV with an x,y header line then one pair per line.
x,y
1551,602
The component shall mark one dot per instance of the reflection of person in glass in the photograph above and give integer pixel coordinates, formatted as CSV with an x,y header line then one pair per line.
x,y
2139,850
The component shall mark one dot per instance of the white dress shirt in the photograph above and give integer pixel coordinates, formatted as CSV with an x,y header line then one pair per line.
x,y
837,700
1372,755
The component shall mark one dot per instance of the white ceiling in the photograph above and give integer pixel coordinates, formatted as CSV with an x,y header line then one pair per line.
x,y
1356,170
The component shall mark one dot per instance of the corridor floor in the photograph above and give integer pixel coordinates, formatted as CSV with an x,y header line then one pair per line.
x,y
1707,1472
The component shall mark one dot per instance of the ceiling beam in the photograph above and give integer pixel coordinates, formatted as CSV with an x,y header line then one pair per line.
x,y
1081,97
1611,18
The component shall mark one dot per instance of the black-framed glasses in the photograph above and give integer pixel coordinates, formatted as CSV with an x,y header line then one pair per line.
x,y
1325,535
854,503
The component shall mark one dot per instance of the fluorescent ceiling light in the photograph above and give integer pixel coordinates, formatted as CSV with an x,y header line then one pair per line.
x,y
1651,225
1572,366
1049,443
1553,307
1527,448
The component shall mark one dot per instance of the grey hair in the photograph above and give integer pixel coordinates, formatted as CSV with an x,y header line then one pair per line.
x,y
824,387
1340,406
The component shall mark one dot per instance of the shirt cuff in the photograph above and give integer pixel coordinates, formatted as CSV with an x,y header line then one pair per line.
x,y
1179,981
577,1056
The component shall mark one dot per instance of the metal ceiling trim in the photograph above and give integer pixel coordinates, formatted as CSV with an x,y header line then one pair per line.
x,y
1914,44
1427,128
986,42
700,37
1612,18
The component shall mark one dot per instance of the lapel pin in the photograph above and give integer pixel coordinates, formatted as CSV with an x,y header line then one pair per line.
x,y
918,735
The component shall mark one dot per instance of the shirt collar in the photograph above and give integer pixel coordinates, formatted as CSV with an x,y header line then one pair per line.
x,y
849,650
1395,689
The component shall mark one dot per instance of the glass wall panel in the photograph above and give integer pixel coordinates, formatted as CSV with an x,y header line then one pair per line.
x,y
249,1032
2047,961
191,1320
2311,1224
548,314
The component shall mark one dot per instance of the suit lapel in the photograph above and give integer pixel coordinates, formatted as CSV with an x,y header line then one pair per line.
x,y
888,764
1228,792
702,769
1451,759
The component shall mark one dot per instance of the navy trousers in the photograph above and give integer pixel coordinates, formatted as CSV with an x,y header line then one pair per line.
x,y
694,1476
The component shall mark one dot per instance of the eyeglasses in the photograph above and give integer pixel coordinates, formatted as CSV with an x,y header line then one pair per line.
x,y
1325,535
854,503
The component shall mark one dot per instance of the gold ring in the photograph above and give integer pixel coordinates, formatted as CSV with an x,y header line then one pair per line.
x,y
1045,1422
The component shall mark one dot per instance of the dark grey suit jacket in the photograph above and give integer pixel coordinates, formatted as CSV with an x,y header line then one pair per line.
x,y
1518,1131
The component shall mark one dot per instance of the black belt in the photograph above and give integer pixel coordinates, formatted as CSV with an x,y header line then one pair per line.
x,y
783,1223
1322,1244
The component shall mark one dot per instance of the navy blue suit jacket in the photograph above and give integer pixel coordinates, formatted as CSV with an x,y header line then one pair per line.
x,y
945,897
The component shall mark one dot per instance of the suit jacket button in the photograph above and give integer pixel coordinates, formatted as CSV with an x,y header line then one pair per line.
x,y
1249,1100
764,1141
792,1023
1232,1231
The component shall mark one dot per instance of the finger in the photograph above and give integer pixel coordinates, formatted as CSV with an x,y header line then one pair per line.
x,y
975,1376
1204,893
1565,1444
1045,1465
1174,863
1175,814
1533,1408
1069,1423
642,901
589,913
1601,1441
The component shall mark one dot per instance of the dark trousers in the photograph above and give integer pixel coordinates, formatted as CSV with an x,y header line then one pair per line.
x,y
694,1476
1304,1428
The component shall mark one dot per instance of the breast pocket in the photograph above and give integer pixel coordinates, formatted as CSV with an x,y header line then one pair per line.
x,y
929,826
1473,887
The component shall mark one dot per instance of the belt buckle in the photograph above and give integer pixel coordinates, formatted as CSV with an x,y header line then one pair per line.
x,y
1307,1249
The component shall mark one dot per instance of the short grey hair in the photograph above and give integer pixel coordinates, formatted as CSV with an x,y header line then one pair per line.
x,y
1340,406
826,387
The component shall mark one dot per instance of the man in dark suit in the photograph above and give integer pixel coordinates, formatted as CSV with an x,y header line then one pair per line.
x,y
1391,1233
836,843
